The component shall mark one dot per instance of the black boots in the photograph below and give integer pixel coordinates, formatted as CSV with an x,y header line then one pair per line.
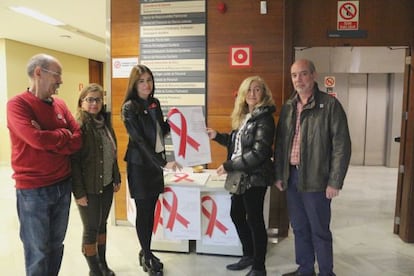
x,y
89,251
106,271
93,263
96,257
153,266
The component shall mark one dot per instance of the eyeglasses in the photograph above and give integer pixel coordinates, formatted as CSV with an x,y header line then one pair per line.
x,y
52,72
93,100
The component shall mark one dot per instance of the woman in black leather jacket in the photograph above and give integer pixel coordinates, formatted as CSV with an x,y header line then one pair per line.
x,y
145,157
250,150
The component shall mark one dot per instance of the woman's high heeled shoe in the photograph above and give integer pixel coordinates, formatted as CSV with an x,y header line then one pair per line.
x,y
155,259
153,267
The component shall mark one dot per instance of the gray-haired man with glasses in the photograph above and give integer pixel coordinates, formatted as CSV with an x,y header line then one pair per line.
x,y
43,135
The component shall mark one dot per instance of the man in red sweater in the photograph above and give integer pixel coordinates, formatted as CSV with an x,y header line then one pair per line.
x,y
43,135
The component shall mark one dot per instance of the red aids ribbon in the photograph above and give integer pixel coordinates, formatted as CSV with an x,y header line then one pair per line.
x,y
182,177
157,216
212,217
174,215
182,133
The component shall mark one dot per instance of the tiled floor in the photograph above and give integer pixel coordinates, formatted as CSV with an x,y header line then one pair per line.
x,y
362,225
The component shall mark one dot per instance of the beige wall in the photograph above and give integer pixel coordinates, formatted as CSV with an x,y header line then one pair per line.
x,y
4,142
13,80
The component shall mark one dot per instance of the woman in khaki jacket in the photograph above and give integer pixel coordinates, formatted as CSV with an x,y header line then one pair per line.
x,y
95,176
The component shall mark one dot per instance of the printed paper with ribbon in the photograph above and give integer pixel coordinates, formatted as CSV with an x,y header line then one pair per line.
x,y
158,228
181,213
217,227
189,136
185,177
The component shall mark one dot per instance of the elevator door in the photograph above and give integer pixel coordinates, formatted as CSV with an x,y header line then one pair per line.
x,y
367,116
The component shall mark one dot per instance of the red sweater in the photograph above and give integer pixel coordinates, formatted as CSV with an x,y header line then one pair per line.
x,y
41,157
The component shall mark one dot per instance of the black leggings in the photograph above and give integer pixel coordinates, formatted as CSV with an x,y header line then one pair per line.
x,y
247,215
144,222
95,215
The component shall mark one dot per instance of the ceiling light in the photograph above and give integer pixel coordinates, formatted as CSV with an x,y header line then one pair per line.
x,y
37,15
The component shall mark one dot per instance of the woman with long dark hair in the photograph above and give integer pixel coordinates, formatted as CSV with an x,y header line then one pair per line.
x,y
145,157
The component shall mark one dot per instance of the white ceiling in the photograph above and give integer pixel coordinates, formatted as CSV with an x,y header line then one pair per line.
x,y
86,18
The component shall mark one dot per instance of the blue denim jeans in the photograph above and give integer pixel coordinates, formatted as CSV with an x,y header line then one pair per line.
x,y
310,216
43,215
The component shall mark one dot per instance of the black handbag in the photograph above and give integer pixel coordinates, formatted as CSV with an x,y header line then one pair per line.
x,y
236,182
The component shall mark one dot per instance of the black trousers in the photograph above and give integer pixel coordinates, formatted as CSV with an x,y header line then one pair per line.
x,y
247,215
95,215
144,222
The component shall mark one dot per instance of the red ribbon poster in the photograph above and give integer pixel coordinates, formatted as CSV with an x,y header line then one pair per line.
x,y
185,177
211,215
181,213
189,136
217,227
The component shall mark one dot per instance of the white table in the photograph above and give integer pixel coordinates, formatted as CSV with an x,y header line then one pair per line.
x,y
213,186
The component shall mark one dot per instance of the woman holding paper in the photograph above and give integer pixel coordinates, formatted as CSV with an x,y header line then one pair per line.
x,y
249,148
145,157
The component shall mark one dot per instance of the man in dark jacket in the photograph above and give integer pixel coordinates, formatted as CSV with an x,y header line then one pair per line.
x,y
312,154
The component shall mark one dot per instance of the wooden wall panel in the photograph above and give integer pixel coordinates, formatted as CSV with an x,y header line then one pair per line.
x,y
242,24
124,28
118,94
404,199
122,139
124,43
96,72
387,22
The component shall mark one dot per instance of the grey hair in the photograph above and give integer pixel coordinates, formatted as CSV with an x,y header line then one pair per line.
x,y
312,67
42,60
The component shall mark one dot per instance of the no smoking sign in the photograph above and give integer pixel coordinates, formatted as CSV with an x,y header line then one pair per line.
x,y
329,81
241,56
348,15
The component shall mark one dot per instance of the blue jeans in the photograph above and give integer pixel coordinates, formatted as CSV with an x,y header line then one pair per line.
x,y
310,216
43,215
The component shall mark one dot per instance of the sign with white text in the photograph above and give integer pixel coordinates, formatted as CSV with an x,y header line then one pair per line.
x,y
348,15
